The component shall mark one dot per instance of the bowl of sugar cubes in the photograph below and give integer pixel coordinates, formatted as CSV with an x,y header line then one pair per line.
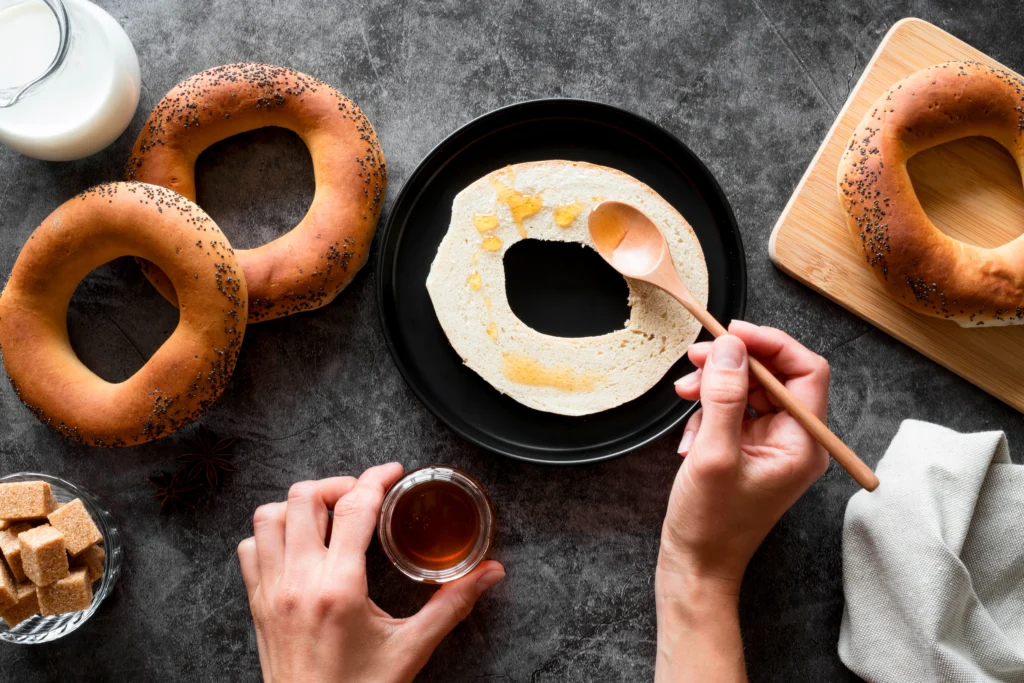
x,y
61,556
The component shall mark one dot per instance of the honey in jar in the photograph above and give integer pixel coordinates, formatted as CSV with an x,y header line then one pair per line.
x,y
436,524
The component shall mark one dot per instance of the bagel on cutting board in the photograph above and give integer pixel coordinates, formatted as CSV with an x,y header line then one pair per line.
x,y
919,265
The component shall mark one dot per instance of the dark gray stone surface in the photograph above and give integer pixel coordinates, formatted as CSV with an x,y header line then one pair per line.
x,y
751,86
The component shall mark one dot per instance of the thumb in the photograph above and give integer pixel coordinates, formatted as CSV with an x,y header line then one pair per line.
x,y
451,604
723,397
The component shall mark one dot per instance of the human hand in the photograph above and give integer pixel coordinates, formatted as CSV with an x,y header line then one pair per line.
x,y
313,615
740,474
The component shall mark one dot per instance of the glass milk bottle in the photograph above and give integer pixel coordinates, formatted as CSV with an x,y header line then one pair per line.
x,y
69,78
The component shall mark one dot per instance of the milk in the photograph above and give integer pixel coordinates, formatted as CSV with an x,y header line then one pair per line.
x,y
87,102
29,39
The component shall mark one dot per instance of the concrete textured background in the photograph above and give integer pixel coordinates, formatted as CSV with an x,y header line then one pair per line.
x,y
750,85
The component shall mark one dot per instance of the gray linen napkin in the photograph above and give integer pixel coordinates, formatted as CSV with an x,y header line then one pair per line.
x,y
933,562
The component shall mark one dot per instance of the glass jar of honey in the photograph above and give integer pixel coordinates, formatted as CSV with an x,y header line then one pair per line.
x,y
436,524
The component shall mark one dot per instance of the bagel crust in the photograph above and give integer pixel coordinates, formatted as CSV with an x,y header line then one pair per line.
x,y
919,265
307,267
185,375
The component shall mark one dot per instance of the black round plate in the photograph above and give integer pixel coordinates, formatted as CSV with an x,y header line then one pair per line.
x,y
577,130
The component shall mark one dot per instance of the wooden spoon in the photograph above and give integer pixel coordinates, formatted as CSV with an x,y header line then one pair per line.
x,y
632,244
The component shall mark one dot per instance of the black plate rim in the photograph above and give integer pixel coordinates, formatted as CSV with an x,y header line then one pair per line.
x,y
461,138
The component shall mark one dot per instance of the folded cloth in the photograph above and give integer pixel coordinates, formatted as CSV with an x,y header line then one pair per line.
x,y
933,562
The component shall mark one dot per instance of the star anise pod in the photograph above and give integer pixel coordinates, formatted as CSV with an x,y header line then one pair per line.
x,y
208,456
174,491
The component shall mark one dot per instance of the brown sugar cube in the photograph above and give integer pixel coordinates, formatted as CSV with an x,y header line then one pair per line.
x,y
43,557
73,520
6,523
27,605
26,500
8,587
92,559
70,594
11,548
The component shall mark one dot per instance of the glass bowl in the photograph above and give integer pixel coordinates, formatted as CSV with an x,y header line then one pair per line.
x,y
485,515
40,629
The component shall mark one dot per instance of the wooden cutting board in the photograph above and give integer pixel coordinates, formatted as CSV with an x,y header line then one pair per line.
x,y
970,188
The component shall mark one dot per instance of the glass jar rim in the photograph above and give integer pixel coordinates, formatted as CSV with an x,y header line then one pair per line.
x,y
11,94
467,483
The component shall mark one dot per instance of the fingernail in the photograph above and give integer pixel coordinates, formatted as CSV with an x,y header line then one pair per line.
x,y
727,353
690,381
684,445
489,579
742,325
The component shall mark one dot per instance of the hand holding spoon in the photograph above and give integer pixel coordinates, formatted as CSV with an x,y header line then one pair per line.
x,y
632,244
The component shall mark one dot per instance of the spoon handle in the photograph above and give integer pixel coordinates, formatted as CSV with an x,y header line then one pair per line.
x,y
842,453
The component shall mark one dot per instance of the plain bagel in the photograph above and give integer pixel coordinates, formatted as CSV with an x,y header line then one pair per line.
x,y
307,267
550,200
919,265
186,374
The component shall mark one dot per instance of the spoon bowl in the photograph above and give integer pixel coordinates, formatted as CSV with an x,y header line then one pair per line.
x,y
627,239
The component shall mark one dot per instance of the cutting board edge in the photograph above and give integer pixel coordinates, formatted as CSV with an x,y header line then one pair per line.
x,y
882,324
900,25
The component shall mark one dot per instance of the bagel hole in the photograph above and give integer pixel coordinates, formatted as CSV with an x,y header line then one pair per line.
x,y
117,320
971,190
256,185
564,289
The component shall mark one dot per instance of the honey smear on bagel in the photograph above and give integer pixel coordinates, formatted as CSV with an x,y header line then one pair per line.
x,y
185,375
918,264
308,266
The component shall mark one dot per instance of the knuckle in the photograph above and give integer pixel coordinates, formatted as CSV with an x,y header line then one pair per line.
x,y
264,515
259,617
287,599
822,367
330,600
302,491
349,506
716,465
724,391
460,607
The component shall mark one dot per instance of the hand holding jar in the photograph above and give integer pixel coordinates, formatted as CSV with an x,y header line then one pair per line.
x,y
314,618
